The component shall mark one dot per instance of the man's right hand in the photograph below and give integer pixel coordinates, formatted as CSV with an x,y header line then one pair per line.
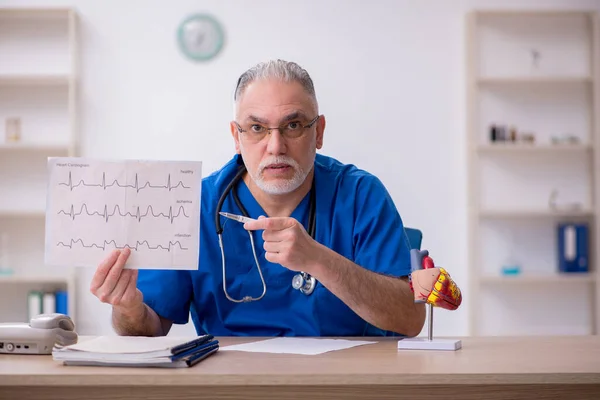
x,y
115,285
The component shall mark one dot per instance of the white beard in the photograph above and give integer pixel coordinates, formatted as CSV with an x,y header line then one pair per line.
x,y
280,186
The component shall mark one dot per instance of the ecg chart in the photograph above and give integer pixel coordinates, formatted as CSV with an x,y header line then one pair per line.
x,y
150,207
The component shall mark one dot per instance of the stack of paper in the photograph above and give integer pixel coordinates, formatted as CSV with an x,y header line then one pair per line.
x,y
138,351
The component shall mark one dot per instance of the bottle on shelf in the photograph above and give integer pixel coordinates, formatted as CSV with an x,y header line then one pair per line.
x,y
13,130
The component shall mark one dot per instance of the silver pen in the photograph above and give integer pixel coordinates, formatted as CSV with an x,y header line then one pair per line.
x,y
235,217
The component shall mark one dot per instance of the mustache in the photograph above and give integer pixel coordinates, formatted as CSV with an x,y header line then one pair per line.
x,y
278,160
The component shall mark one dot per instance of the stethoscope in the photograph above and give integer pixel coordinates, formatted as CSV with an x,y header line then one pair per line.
x,y
302,281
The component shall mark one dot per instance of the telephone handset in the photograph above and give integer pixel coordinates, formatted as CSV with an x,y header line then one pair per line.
x,y
39,336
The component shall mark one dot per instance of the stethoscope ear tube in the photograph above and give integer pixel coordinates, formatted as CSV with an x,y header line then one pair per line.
x,y
302,281
235,180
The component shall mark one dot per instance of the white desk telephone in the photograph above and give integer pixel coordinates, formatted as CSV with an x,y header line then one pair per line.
x,y
39,336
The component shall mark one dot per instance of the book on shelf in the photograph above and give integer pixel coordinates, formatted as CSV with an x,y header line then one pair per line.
x,y
137,351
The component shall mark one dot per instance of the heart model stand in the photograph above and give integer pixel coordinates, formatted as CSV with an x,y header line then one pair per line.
x,y
433,286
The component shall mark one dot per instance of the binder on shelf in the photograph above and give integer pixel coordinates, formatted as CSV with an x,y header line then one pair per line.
x,y
573,247
49,303
34,304
138,351
62,302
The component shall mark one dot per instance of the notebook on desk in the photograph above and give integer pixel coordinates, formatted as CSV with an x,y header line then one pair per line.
x,y
138,351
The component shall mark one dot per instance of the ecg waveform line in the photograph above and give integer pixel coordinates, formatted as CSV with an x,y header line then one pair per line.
x,y
136,247
115,182
117,210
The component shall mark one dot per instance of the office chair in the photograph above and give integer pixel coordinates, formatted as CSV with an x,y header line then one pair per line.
x,y
415,237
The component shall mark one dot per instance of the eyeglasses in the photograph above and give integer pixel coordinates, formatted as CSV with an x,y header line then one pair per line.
x,y
292,130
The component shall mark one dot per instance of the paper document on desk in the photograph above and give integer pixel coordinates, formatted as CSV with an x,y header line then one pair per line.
x,y
289,345
151,207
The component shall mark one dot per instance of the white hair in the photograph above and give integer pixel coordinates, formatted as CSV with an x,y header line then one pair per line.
x,y
285,71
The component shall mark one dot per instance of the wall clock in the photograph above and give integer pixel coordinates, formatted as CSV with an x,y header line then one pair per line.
x,y
200,37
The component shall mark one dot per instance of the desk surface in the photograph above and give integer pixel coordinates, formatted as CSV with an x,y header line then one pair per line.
x,y
494,360
481,361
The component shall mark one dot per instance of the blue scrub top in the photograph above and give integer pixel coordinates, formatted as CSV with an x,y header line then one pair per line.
x,y
355,217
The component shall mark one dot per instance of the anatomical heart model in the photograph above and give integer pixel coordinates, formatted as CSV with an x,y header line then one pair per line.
x,y
432,285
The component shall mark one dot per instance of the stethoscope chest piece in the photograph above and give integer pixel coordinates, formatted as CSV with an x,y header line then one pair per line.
x,y
304,283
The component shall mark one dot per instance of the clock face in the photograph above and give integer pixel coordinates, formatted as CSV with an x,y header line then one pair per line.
x,y
200,37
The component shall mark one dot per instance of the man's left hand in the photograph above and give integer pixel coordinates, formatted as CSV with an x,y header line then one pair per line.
x,y
287,242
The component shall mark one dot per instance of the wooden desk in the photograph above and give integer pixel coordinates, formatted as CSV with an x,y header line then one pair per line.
x,y
485,368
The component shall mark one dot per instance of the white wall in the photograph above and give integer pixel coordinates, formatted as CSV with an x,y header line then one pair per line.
x,y
389,75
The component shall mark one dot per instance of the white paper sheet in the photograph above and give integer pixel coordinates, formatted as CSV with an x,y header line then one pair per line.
x,y
290,345
95,206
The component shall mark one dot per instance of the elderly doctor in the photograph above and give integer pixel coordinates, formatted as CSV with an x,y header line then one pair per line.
x,y
330,245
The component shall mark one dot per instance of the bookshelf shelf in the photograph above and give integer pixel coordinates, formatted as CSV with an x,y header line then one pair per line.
x,y
14,279
534,80
35,13
527,279
22,213
34,80
35,147
521,148
520,214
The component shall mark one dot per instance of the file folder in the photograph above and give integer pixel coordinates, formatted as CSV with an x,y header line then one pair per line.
x,y
573,247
